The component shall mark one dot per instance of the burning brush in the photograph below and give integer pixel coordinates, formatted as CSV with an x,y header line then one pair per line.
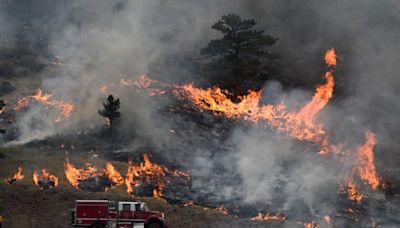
x,y
45,180
268,217
149,178
16,177
300,124
64,108
91,178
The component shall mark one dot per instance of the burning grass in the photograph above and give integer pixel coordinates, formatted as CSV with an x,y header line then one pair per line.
x,y
301,124
45,180
268,217
64,108
152,174
91,178
15,177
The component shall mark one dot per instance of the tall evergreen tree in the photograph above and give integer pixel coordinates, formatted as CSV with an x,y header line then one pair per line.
x,y
240,56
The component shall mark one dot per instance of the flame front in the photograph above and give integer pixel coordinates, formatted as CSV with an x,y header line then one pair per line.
x,y
65,108
299,124
46,176
353,194
16,177
267,217
365,168
113,174
75,175
149,172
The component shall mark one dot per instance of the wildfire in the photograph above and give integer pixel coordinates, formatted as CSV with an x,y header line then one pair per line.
x,y
365,162
222,209
65,108
142,82
113,174
352,192
16,177
364,168
330,57
46,180
299,124
76,175
267,217
311,225
149,172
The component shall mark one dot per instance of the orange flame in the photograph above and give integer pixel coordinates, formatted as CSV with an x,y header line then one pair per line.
x,y
365,161
364,169
45,176
75,175
147,172
65,108
277,217
16,177
352,192
299,124
143,82
330,57
113,174
311,225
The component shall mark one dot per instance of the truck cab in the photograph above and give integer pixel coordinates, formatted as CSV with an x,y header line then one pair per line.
x,y
104,214
139,212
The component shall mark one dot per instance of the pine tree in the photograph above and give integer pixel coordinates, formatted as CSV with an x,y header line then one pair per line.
x,y
111,110
240,55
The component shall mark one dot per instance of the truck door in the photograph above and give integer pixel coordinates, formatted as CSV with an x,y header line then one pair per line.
x,y
126,212
140,212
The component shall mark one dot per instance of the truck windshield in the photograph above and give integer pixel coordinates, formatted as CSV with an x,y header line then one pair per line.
x,y
145,207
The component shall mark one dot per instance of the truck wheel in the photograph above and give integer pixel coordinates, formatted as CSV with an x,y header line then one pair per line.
x,y
154,225
97,225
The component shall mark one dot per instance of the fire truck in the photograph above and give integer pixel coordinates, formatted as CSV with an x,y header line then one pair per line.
x,y
103,214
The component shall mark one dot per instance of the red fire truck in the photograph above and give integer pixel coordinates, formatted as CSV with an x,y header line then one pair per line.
x,y
102,214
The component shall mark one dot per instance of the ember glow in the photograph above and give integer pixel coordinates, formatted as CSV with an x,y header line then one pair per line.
x,y
76,175
64,108
16,177
149,172
45,179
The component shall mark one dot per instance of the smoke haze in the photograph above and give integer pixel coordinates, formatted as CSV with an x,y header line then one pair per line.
x,y
100,41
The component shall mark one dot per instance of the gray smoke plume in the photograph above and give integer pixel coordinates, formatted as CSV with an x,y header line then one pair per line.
x,y
98,41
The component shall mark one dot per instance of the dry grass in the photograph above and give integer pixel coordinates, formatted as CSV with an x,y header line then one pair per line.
x,y
25,205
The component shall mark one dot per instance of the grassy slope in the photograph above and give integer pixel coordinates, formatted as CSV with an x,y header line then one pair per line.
x,y
25,205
